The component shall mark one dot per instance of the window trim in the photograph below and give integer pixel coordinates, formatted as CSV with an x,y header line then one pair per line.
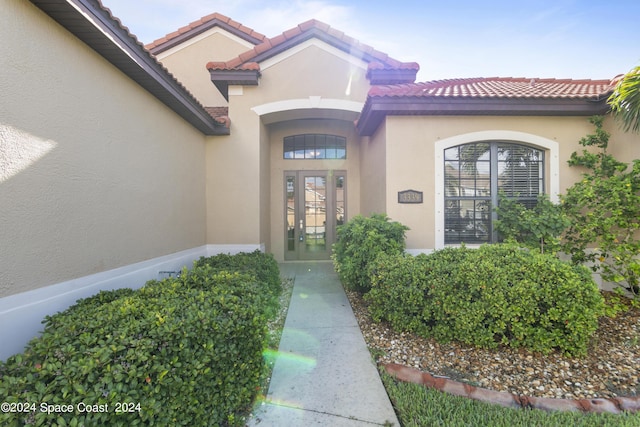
x,y
548,146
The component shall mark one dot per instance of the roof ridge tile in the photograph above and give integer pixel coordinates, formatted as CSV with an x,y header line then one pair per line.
x,y
310,25
203,21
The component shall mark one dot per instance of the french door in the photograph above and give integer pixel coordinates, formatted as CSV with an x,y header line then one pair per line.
x,y
315,204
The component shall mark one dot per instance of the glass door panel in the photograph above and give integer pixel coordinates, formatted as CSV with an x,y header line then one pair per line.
x,y
340,200
291,213
314,205
315,213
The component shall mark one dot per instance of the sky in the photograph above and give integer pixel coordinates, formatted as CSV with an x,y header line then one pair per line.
x,y
578,39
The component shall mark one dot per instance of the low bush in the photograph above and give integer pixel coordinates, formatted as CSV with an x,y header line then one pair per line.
x,y
495,295
359,241
182,351
262,265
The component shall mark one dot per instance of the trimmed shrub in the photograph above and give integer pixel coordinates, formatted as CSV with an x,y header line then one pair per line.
x,y
182,351
495,295
358,243
262,265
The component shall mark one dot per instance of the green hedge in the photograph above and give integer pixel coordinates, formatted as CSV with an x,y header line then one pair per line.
x,y
263,266
183,351
359,241
495,295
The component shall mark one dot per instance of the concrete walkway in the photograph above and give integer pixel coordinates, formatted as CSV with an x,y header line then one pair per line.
x,y
323,374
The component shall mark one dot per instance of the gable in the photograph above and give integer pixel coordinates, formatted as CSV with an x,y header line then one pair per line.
x,y
196,29
246,68
186,61
313,69
218,42
320,47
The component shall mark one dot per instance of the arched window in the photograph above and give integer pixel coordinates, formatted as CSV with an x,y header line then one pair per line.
x,y
474,175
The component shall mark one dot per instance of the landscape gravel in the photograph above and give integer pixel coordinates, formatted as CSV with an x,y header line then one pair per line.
x,y
611,367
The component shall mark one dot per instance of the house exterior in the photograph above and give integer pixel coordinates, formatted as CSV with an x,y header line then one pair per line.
x,y
122,162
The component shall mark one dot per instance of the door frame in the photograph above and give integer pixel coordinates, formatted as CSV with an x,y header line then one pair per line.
x,y
331,193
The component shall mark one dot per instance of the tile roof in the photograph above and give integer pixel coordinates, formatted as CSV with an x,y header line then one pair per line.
x,y
499,87
202,25
504,96
220,115
272,46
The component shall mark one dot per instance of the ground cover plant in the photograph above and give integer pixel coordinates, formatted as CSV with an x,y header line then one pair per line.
x,y
186,350
418,406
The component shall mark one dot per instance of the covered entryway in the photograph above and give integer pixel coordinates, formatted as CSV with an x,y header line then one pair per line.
x,y
315,204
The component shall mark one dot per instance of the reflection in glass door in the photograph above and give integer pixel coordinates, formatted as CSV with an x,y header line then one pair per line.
x,y
315,204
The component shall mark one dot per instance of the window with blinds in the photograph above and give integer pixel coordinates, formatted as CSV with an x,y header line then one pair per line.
x,y
474,176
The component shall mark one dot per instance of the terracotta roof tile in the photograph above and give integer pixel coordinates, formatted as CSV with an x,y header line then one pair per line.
x,y
289,34
195,25
273,43
497,87
219,114
263,47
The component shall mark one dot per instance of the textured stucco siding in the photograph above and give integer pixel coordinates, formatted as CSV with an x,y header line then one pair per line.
x,y
95,173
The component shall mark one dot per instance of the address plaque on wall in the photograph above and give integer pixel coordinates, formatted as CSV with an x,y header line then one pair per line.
x,y
410,196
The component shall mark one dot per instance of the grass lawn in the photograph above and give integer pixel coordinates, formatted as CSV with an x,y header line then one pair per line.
x,y
417,406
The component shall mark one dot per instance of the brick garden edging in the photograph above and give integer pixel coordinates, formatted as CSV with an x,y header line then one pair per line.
x,y
613,405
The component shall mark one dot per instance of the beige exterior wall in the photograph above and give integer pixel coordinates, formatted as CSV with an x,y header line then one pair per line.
x,y
624,146
95,172
313,69
188,62
266,201
411,159
374,172
233,180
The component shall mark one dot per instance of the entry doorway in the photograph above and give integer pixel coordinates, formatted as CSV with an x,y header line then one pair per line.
x,y
315,203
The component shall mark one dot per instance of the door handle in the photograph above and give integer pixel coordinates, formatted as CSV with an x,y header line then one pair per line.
x,y
301,233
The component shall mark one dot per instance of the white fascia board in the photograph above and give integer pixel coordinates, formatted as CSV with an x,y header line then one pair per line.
x,y
202,36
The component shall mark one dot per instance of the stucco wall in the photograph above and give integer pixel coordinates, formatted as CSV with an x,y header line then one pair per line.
x,y
313,69
188,62
373,173
625,146
96,173
233,183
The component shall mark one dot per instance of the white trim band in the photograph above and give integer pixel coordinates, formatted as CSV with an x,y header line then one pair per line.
x,y
21,314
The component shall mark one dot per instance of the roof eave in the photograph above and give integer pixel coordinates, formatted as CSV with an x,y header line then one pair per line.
x,y
392,76
201,29
222,79
376,109
94,25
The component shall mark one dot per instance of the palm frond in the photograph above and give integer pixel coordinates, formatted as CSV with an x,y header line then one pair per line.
x,y
625,100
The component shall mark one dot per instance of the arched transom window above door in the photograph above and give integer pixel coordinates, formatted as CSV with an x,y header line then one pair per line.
x,y
475,174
